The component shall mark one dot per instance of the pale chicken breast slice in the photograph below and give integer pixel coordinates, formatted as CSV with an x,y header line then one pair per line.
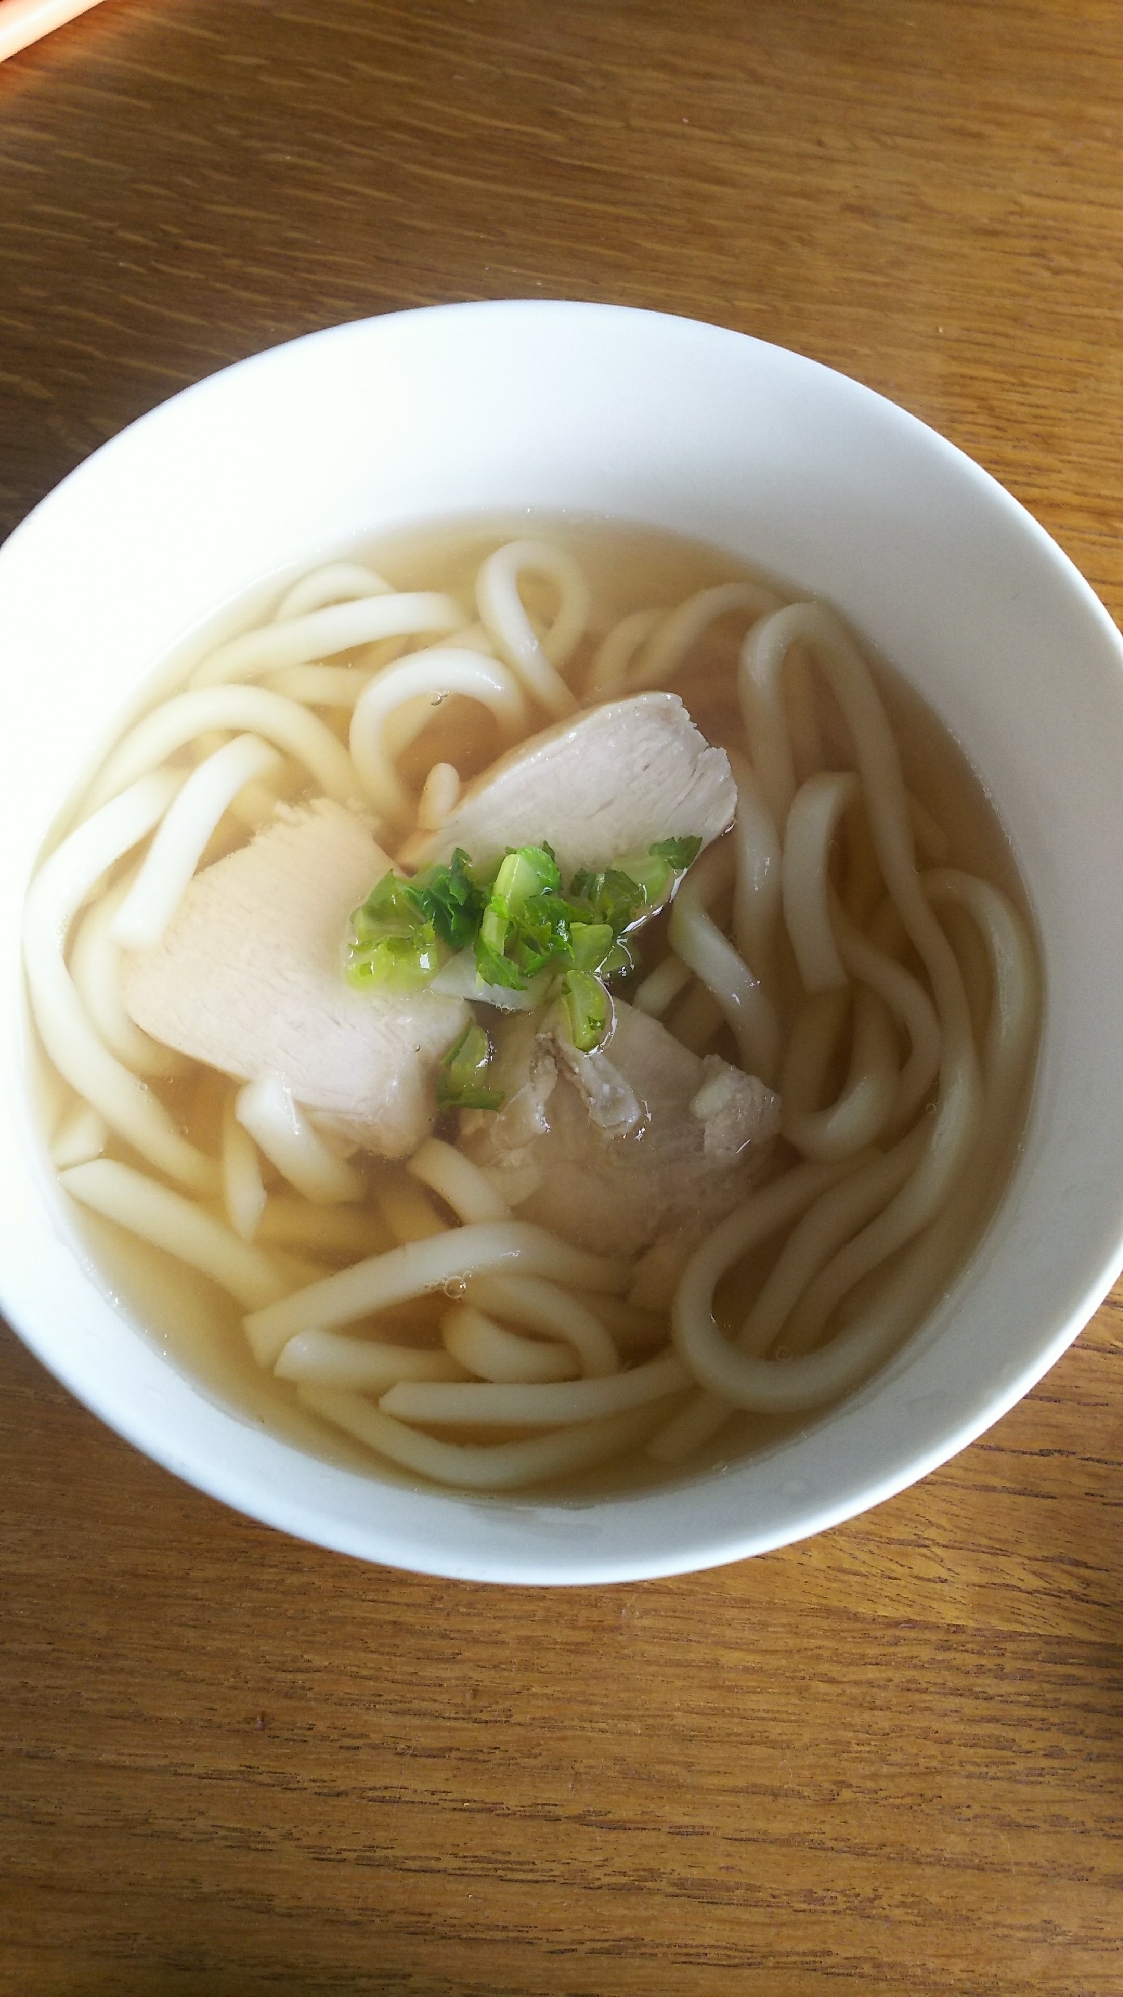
x,y
249,978
622,1193
603,784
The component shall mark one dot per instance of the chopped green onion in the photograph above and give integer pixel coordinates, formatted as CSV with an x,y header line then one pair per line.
x,y
493,968
591,944
616,896
678,853
515,916
395,947
462,1075
407,929
638,884
400,964
452,898
525,925
586,1002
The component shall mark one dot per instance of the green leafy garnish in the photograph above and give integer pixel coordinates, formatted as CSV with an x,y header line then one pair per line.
x,y
407,929
591,943
521,924
638,884
616,897
525,924
462,1075
452,898
678,853
395,945
586,1002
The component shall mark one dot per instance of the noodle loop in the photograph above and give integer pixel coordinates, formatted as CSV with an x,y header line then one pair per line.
x,y
537,661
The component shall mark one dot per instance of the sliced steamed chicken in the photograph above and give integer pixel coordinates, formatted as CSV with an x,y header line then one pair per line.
x,y
249,978
608,782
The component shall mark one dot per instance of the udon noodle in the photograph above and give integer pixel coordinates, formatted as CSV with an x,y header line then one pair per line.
x,y
833,942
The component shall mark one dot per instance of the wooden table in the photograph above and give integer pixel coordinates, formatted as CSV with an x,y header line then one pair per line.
x,y
888,1760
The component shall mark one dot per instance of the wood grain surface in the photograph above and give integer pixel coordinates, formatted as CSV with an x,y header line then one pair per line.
x,y
888,1760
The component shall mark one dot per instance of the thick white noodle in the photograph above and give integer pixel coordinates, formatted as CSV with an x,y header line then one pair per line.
x,y
243,1188
492,1352
608,674
886,801
662,986
335,582
439,795
82,1134
1007,1044
144,915
177,721
816,1377
535,660
319,686
805,873
538,1305
56,893
498,1466
808,752
682,627
715,1362
913,1207
760,694
339,627
1014,1001
280,1127
757,881
834,1219
917,1203
883,787
95,967
367,1365
909,1003
484,1403
435,674
866,1101
697,941
457,1181
515,1246
178,1225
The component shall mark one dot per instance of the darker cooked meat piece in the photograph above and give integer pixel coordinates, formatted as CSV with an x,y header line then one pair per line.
x,y
696,1147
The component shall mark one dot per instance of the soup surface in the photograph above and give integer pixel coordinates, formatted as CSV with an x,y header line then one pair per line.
x,y
596,1164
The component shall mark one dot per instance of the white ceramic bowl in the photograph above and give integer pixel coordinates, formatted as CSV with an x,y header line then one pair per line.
x,y
465,409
